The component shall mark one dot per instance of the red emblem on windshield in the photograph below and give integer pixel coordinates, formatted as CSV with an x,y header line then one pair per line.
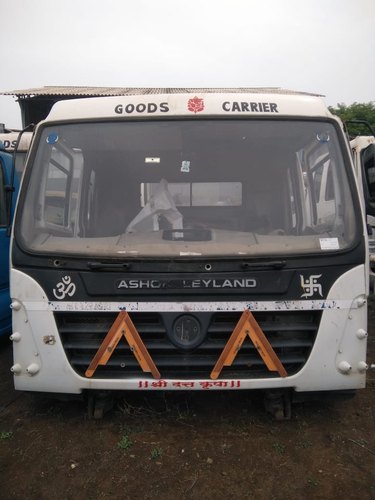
x,y
195,105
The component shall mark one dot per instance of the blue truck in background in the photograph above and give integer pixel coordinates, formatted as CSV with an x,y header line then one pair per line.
x,y
7,205
9,185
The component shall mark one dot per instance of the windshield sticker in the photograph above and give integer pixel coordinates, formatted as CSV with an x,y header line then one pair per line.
x,y
52,138
329,244
185,166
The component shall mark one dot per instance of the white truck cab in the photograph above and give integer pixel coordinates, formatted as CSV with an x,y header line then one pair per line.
x,y
200,239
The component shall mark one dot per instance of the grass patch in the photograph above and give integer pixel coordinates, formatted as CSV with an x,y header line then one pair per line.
x,y
156,453
125,442
312,481
4,436
305,444
279,447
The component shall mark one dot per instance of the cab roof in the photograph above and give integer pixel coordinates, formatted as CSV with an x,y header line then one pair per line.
x,y
193,103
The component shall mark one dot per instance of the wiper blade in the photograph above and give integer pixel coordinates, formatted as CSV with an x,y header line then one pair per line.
x,y
272,264
98,266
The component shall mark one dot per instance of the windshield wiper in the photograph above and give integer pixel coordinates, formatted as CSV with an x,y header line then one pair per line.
x,y
272,264
98,266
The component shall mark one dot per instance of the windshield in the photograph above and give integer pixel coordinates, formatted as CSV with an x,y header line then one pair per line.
x,y
188,188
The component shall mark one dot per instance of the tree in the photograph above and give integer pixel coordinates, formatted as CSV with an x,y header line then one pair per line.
x,y
356,111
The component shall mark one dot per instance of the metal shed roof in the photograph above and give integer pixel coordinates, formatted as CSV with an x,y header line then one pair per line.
x,y
36,103
118,91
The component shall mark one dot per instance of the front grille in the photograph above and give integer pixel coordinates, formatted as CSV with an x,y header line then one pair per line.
x,y
291,334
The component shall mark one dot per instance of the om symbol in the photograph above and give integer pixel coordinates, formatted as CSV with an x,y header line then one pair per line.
x,y
64,288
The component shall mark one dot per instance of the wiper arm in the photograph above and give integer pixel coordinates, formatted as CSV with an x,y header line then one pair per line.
x,y
98,266
272,264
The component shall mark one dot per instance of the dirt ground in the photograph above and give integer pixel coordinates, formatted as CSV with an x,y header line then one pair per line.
x,y
186,446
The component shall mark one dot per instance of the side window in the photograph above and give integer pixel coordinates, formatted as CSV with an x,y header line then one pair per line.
x,y
368,159
20,163
56,208
291,207
371,181
318,175
330,192
217,194
3,204
320,171
320,200
198,194
323,182
61,187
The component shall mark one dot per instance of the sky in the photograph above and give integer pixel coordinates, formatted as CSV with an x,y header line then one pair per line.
x,y
320,46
